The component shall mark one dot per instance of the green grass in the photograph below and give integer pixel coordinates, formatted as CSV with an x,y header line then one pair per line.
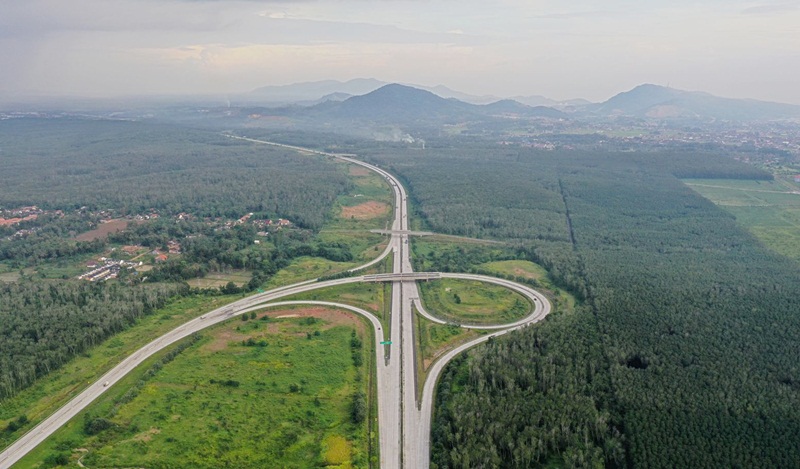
x,y
472,302
527,270
52,391
373,297
435,339
364,245
291,407
306,268
768,209
220,279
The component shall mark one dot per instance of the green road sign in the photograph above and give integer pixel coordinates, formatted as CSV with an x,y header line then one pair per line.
x,y
386,342
260,290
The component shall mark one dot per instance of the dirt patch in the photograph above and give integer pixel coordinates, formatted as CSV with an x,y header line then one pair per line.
x,y
14,221
366,211
104,229
287,316
222,339
333,317
359,171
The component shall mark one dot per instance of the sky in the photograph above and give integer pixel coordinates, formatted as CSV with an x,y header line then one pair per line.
x,y
558,49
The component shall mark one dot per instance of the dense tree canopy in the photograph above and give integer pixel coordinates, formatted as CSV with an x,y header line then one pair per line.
x,y
684,354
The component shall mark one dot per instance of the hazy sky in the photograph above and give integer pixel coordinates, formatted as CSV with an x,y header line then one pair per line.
x,y
580,48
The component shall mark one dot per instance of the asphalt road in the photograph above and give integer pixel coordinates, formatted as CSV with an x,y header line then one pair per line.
x,y
403,421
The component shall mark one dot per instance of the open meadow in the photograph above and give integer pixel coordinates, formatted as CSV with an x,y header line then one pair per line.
x,y
281,388
768,209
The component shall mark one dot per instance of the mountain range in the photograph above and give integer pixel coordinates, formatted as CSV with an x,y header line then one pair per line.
x,y
401,103
370,99
314,92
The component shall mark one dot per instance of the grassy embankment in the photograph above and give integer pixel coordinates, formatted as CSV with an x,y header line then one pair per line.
x,y
250,393
768,209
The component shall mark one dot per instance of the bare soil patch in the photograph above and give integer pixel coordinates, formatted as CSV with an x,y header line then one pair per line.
x,y
366,211
359,171
334,317
222,339
104,229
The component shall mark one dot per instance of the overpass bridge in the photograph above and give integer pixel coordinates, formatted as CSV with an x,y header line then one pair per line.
x,y
403,232
402,277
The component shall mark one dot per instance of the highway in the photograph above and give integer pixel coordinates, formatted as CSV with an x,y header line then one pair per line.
x,y
403,421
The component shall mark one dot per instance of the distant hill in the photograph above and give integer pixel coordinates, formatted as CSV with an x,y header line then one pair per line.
x,y
660,102
307,93
509,107
401,103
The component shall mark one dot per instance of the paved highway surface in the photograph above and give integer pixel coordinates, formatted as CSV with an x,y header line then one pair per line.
x,y
403,421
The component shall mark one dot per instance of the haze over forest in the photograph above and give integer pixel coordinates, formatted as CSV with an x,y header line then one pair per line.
x,y
737,49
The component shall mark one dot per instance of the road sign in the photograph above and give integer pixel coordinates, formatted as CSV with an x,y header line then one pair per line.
x,y
386,342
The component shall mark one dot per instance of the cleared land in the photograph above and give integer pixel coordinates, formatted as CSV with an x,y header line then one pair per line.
x,y
374,297
220,279
768,209
9,277
256,393
366,211
104,229
368,204
472,302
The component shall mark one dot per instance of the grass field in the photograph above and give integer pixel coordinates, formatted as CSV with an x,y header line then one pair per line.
x,y
433,340
249,394
768,209
9,277
364,245
562,300
55,389
220,279
306,268
373,297
472,302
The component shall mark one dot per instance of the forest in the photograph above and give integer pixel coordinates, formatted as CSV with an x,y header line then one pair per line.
x,y
43,325
683,352
92,169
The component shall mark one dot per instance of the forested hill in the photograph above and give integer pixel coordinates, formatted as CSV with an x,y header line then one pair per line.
x,y
684,352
